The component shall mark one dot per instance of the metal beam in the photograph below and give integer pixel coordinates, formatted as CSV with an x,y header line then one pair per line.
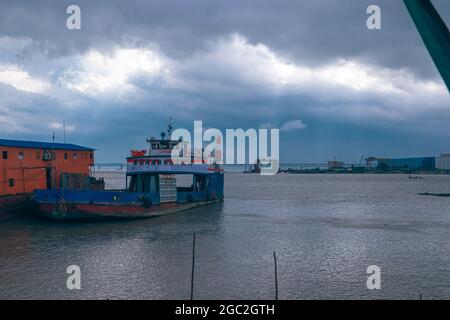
x,y
434,33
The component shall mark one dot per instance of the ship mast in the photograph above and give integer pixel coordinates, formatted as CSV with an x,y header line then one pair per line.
x,y
169,128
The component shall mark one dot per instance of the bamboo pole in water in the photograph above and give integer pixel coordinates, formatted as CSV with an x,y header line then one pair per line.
x,y
276,276
193,267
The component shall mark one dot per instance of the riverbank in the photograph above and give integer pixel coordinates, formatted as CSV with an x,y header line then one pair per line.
x,y
363,171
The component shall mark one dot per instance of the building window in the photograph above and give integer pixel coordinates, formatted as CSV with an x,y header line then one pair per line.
x,y
47,156
5,155
65,156
21,156
11,182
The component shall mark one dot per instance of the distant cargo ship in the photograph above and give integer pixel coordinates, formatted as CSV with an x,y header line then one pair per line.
x,y
151,189
29,165
334,164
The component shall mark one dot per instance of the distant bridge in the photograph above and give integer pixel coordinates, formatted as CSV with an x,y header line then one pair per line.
x,y
307,165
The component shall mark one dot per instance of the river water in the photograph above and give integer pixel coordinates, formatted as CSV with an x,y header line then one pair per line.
x,y
325,229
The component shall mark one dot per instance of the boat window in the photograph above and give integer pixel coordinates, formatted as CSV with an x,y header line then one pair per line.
x,y
184,182
65,156
91,155
5,155
132,187
21,155
153,184
201,183
75,155
143,183
11,182
38,155
150,185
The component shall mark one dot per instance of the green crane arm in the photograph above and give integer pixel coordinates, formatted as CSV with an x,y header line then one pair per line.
x,y
434,33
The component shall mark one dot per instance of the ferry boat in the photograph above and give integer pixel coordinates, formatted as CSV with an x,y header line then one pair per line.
x,y
152,188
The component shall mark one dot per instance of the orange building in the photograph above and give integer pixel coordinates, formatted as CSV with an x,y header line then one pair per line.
x,y
28,165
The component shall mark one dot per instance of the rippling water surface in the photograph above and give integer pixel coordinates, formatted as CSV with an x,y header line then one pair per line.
x,y
325,229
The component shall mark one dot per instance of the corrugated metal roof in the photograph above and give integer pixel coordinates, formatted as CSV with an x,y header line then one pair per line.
x,y
43,145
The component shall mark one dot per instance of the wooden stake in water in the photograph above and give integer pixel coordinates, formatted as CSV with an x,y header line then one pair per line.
x,y
276,276
193,267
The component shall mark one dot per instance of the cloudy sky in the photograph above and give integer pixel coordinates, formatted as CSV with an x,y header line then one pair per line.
x,y
310,68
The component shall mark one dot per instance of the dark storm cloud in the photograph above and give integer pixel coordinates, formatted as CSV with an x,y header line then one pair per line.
x,y
313,32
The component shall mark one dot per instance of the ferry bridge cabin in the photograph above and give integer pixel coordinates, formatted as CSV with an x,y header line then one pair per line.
x,y
29,165
154,172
